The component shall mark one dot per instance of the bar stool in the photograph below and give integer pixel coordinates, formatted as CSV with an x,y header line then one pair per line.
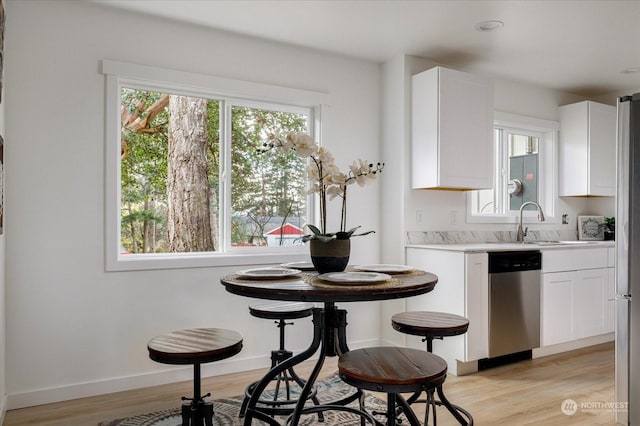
x,y
434,325
195,346
393,370
281,312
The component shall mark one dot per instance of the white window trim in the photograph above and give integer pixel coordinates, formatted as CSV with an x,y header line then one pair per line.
x,y
198,84
548,176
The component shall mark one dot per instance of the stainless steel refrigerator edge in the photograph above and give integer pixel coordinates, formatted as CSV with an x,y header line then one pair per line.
x,y
627,375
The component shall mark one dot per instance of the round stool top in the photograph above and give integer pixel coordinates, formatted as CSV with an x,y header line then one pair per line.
x,y
194,346
429,324
392,369
271,309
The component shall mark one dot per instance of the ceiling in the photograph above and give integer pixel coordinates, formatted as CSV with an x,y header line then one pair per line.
x,y
575,46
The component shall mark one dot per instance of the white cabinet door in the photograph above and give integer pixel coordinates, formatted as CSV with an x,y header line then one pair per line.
x,y
557,308
587,149
602,153
452,130
448,294
575,305
589,302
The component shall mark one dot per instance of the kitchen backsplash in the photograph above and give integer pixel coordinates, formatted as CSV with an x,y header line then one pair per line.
x,y
467,237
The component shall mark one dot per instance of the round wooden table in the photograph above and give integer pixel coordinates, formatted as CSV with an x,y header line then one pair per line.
x,y
329,323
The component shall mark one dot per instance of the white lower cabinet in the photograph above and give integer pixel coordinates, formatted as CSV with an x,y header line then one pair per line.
x,y
577,303
576,300
462,289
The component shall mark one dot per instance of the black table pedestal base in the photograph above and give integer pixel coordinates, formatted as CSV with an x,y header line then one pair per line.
x,y
329,335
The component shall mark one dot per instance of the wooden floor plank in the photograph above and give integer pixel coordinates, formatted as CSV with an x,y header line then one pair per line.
x,y
524,393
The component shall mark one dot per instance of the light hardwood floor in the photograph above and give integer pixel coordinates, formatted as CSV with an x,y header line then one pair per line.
x,y
527,392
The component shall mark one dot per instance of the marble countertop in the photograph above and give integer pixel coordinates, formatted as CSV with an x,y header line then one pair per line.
x,y
500,246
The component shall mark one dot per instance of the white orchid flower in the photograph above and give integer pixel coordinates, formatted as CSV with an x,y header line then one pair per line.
x,y
304,145
361,172
326,178
330,169
325,156
313,173
359,166
338,178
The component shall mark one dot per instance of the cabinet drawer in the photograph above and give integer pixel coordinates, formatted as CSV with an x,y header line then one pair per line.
x,y
574,259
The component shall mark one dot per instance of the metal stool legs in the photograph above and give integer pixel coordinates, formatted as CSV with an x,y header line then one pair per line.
x,y
461,415
285,377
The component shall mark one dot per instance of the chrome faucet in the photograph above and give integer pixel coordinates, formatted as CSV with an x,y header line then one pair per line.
x,y
523,233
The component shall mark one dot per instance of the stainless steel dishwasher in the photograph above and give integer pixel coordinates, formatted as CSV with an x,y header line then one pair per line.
x,y
514,301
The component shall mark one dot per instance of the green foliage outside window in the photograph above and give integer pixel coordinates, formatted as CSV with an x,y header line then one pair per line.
x,y
266,192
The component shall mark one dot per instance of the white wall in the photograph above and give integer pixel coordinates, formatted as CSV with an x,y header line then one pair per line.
x,y
72,329
396,150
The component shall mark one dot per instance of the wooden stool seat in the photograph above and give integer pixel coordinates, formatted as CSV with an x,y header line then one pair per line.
x,y
433,325
393,370
280,310
429,324
195,346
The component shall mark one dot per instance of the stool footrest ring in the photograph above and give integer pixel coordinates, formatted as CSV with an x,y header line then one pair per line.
x,y
320,409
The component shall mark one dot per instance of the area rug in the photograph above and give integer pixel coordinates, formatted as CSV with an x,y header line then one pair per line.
x,y
226,409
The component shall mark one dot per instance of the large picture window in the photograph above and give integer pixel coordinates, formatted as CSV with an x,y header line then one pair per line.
x,y
193,180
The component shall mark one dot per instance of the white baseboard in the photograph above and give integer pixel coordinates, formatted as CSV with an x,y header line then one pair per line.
x,y
119,384
463,368
575,344
364,344
3,408
386,342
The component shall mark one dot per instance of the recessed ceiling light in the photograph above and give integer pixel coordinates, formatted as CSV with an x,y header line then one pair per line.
x,y
489,25
632,70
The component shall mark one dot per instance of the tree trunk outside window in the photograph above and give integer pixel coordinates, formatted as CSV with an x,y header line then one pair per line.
x,y
188,219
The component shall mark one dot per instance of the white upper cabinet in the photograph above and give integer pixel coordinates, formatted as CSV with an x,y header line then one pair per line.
x,y
451,130
587,149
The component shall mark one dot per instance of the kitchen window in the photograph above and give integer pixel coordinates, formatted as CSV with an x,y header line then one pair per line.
x,y
188,183
524,159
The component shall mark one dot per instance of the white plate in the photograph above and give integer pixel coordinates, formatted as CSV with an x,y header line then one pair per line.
x,y
268,273
385,268
354,278
303,266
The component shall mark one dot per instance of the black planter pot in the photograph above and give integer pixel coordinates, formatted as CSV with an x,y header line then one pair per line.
x,y
332,256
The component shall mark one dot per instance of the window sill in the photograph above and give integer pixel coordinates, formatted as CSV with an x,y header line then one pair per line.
x,y
141,262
